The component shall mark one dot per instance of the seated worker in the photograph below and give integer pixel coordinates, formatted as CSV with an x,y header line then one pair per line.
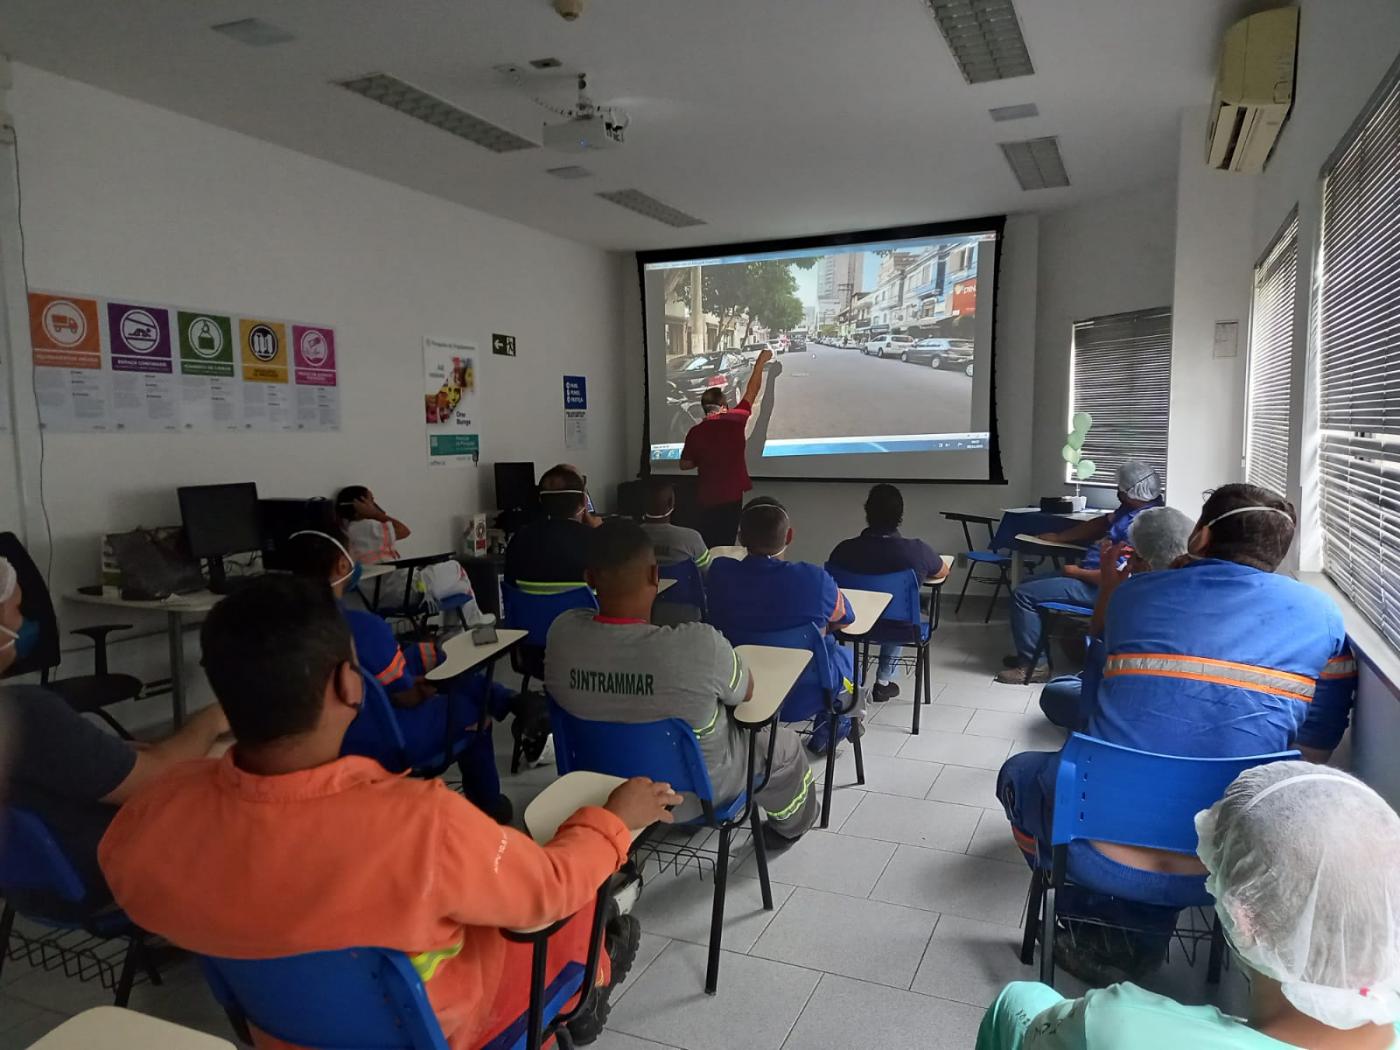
x,y
672,543
762,592
881,549
590,515
1222,657
65,769
1305,869
283,847
1139,488
550,554
1156,538
615,666
423,714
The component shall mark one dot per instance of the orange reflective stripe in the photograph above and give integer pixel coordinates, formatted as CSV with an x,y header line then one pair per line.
x,y
427,652
1026,842
1340,667
394,671
1218,672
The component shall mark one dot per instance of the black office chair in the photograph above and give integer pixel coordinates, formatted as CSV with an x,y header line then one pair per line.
x,y
91,693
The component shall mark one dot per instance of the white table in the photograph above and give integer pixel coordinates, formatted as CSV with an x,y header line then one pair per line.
x,y
775,670
112,1028
867,606
663,586
734,551
565,797
1017,552
176,608
460,654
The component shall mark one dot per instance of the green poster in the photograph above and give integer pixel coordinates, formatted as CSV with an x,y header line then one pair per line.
x,y
206,344
454,445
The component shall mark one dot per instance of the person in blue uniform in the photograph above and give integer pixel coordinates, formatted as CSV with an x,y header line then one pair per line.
x,y
1139,489
762,592
1221,657
420,709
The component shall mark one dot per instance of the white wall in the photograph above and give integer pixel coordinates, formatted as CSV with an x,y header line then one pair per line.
x,y
1102,258
122,199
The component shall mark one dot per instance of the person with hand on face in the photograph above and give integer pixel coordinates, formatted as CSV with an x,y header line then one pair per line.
x,y
372,533
1139,489
1304,866
68,771
284,847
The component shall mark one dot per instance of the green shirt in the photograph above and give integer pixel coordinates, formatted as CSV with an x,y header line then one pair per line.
x,y
1029,1016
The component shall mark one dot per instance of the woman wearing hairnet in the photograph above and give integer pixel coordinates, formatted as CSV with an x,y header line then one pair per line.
x,y
1309,904
1139,488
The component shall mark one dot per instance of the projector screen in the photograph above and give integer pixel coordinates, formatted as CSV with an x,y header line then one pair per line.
x,y
882,347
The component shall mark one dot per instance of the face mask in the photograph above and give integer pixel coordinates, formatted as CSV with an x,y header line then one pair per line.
x,y
352,578
24,640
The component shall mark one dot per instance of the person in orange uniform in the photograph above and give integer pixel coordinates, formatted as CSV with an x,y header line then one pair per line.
x,y
283,847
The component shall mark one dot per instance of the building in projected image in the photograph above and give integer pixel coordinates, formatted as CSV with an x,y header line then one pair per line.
x,y
929,292
839,281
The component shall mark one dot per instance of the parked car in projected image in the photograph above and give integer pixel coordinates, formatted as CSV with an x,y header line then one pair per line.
x,y
941,353
881,345
706,371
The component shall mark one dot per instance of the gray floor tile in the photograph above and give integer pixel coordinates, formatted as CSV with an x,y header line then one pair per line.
x,y
954,884
935,716
919,822
987,697
883,740
650,947
972,961
964,675
891,776
28,1031
993,840
679,907
849,1014
958,749
15,1012
864,939
1008,725
757,1003
966,786
844,801
823,860
611,1040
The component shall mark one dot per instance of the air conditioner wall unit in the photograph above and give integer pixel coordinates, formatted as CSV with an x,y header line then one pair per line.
x,y
1253,90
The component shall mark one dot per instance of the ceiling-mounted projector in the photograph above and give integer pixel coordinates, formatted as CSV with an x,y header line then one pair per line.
x,y
589,127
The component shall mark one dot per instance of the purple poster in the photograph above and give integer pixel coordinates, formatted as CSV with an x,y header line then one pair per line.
x,y
140,338
313,355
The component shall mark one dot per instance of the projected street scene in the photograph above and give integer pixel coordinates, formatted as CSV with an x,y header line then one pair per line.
x,y
873,348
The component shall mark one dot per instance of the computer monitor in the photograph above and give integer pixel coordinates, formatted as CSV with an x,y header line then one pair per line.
x,y
515,486
220,520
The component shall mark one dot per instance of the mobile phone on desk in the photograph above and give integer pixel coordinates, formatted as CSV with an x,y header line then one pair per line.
x,y
484,635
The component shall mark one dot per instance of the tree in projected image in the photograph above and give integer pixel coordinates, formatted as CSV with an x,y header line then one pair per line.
x,y
762,293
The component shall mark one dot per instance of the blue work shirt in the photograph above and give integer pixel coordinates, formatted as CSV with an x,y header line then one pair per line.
x,y
1218,659
767,594
1118,524
875,552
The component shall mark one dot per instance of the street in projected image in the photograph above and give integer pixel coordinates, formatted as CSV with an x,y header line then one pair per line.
x,y
872,342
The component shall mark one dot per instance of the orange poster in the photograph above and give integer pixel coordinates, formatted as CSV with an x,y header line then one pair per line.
x,y
63,331
264,350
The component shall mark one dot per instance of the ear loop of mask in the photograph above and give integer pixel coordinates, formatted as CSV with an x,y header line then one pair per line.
x,y
1248,510
338,546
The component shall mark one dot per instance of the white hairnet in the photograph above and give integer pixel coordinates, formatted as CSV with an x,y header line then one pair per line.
x,y
1304,866
1137,480
8,580
1160,536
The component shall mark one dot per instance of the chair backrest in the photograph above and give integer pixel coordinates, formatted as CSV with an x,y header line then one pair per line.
x,y
36,605
1115,794
351,999
689,588
31,860
534,613
375,731
904,609
664,750
811,694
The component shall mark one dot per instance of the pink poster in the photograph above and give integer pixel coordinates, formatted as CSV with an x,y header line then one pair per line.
x,y
313,355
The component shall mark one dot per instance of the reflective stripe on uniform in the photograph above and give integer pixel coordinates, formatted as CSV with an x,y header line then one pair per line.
x,y
426,963
1340,667
707,730
702,561
427,653
1221,672
549,587
797,802
394,671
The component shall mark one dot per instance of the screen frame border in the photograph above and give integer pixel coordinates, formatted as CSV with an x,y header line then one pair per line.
x,y
996,474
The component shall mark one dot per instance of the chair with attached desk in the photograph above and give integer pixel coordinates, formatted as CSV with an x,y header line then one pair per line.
x,y
982,556
418,612
91,693
667,750
1049,612
1108,793
689,586
378,732
41,884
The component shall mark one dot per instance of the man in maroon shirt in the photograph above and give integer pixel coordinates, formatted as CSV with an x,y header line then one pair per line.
x,y
715,447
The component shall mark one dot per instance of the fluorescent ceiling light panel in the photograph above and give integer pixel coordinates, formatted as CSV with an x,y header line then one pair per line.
x,y
1037,163
1021,112
643,204
254,32
390,91
570,171
985,38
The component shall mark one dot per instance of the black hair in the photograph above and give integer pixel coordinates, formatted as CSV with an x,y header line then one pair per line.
x,y
763,525
617,544
1258,539
314,556
884,507
269,649
345,500
559,504
713,398
660,497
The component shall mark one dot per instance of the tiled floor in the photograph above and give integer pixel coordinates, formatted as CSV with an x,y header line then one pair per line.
x,y
896,926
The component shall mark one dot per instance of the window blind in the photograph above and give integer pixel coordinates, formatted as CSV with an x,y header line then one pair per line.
x,y
1358,339
1121,373
1268,403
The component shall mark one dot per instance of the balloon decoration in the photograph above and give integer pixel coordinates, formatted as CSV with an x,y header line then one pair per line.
x,y
1073,452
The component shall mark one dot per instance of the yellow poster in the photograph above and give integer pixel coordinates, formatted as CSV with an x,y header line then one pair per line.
x,y
264,346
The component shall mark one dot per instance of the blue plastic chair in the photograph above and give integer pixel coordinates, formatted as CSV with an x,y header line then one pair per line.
x,y
980,556
1047,612
378,733
903,622
811,696
34,867
1108,793
689,588
667,750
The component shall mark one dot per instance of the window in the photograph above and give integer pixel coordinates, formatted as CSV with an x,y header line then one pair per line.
x,y
1267,404
1358,353
1121,374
